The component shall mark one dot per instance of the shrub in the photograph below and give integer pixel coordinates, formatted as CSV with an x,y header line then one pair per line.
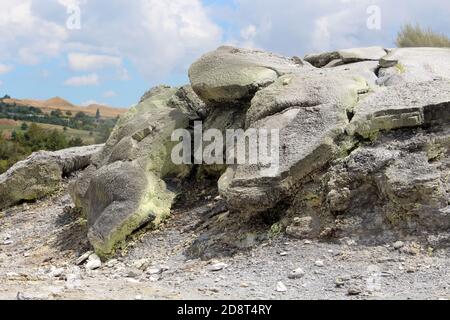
x,y
416,36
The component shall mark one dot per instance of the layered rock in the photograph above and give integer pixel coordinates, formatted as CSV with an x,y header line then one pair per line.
x,y
296,99
408,105
337,58
41,174
395,187
363,146
328,118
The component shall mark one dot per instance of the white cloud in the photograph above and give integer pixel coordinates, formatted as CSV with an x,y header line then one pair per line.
x,y
158,37
90,62
90,102
27,36
294,27
5,68
109,94
163,37
86,80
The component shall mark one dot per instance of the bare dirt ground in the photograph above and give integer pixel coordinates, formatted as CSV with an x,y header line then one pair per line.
x,y
40,243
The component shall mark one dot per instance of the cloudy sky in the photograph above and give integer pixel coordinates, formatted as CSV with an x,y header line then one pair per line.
x,y
112,51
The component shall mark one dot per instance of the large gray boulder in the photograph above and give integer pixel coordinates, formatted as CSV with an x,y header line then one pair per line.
x,y
41,174
126,187
230,75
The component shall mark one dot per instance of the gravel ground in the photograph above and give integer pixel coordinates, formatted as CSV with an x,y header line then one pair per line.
x,y
40,243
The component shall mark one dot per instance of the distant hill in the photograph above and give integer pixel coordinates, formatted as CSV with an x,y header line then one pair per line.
x,y
58,103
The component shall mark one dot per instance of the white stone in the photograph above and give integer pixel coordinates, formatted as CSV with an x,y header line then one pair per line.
x,y
281,287
94,262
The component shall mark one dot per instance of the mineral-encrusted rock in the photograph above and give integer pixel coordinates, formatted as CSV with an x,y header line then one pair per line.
x,y
405,65
363,150
306,142
364,145
365,69
395,187
336,58
311,88
125,187
231,75
41,174
310,112
409,105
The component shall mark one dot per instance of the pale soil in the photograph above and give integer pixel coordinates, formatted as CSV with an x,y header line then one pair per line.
x,y
46,235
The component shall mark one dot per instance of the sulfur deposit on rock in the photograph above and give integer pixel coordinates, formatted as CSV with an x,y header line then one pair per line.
x,y
335,116
395,187
41,173
232,75
126,187
363,149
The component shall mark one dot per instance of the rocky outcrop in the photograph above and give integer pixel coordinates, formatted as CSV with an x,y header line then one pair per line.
x,y
365,107
395,187
127,185
41,174
363,148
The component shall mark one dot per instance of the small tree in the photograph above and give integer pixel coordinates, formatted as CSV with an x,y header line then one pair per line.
x,y
97,115
416,36
56,113
24,126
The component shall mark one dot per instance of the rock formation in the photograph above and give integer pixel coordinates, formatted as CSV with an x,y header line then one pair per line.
x,y
127,184
41,174
364,150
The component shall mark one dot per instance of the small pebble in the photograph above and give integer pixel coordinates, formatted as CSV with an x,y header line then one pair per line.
x,y
94,262
281,287
297,274
319,263
398,245
354,291
218,267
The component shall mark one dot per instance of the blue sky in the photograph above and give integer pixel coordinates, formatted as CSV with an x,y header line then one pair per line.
x,y
124,47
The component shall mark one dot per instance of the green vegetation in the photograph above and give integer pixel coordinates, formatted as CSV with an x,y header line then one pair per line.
x,y
416,36
80,121
27,129
23,142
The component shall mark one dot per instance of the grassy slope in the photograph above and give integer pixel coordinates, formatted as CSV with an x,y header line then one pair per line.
x,y
70,133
